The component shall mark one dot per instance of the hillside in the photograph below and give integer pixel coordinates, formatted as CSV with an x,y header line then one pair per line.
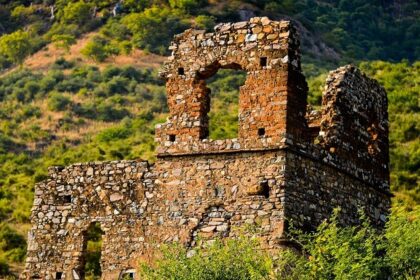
x,y
88,87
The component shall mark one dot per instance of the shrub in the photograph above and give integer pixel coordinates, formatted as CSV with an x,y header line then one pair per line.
x,y
115,133
61,63
99,48
58,102
78,13
188,6
403,243
63,41
16,46
95,49
10,240
227,259
205,22
113,29
154,27
4,268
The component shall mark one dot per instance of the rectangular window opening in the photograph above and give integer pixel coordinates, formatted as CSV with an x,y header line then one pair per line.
x,y
181,71
263,61
261,131
58,275
67,199
265,189
172,137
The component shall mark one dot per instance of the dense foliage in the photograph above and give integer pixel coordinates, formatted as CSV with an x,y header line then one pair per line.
x,y
331,252
84,114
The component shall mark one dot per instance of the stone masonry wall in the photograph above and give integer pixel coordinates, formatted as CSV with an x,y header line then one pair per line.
x,y
272,102
286,164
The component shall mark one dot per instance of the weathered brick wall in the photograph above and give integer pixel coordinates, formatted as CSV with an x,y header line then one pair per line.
x,y
272,100
300,168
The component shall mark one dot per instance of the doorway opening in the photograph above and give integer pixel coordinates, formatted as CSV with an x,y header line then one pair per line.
x,y
92,252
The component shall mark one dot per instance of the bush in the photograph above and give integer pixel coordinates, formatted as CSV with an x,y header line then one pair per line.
x,y
12,243
16,46
227,259
63,41
188,6
205,22
154,27
99,49
115,133
331,252
78,13
95,49
58,102
4,268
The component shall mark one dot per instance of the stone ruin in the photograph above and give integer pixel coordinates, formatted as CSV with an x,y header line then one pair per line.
x,y
286,164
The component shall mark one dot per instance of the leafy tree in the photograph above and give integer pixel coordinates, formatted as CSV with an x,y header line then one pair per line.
x,y
78,13
153,29
15,46
205,22
95,49
186,5
63,41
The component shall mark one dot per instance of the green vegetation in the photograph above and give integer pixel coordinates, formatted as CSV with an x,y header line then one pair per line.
x,y
15,46
223,116
93,252
228,259
331,252
334,31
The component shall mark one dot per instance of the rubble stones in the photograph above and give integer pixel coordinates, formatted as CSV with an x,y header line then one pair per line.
x,y
306,164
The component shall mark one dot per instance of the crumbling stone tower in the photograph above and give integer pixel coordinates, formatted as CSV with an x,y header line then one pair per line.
x,y
285,164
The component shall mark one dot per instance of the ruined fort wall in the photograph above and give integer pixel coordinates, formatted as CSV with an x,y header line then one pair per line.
x,y
246,187
115,194
315,187
272,102
278,169
186,199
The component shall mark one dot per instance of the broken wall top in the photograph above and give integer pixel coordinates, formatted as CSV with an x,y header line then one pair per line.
x,y
233,45
272,102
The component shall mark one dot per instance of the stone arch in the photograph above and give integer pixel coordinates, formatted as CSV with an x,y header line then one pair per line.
x,y
214,223
202,77
272,101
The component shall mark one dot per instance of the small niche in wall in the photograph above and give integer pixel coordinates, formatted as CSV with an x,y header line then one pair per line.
x,y
67,199
261,131
263,61
265,189
181,71
172,137
58,275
